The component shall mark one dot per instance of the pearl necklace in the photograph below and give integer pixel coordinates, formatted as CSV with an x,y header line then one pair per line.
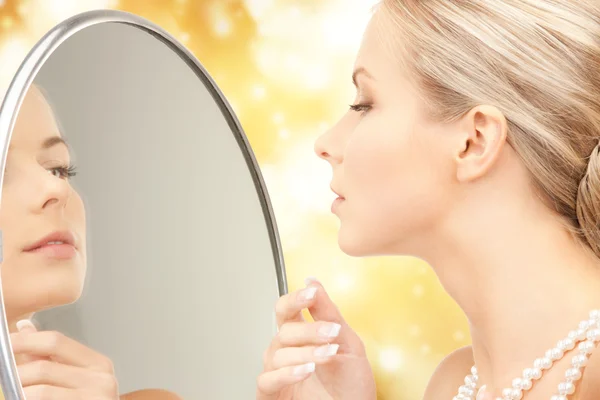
x,y
586,336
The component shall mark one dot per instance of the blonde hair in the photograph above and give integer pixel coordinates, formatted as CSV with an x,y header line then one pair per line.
x,y
538,61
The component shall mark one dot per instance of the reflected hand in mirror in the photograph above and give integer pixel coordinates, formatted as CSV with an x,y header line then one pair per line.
x,y
43,222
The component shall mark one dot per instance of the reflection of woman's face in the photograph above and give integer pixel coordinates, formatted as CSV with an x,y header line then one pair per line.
x,y
41,216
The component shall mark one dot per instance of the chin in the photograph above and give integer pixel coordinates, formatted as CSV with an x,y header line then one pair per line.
x,y
375,242
40,298
62,295
61,288
356,245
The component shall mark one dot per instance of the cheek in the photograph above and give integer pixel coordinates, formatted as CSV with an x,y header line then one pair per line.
x,y
394,180
380,164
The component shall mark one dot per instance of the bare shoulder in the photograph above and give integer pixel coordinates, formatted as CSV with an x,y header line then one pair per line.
x,y
590,381
450,375
151,394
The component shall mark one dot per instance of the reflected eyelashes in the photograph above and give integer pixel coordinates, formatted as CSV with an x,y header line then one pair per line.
x,y
64,172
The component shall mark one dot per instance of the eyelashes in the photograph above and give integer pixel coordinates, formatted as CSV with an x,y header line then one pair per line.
x,y
362,108
64,172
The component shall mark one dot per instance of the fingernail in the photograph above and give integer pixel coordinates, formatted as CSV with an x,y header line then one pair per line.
x,y
308,294
304,369
25,325
327,351
310,279
330,330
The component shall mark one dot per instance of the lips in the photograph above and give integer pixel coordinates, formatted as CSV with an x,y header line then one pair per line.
x,y
53,239
339,195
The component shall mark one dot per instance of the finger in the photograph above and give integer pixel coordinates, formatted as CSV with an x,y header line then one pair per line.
x,y
322,308
289,306
271,383
60,348
26,326
290,356
47,392
302,333
45,372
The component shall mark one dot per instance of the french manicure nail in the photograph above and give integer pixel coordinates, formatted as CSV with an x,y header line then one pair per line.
x,y
304,369
327,351
25,324
330,330
308,294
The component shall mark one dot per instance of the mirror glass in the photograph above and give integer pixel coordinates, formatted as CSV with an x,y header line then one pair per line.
x,y
178,264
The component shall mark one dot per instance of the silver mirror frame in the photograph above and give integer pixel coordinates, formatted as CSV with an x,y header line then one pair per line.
x,y
35,59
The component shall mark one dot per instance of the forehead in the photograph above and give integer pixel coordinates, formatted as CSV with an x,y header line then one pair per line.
x,y
35,121
377,52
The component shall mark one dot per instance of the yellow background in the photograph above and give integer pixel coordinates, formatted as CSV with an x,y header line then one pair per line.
x,y
285,67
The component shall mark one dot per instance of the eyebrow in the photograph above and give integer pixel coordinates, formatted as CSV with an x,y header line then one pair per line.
x,y
358,71
54,141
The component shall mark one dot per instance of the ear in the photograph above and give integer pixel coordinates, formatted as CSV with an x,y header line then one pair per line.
x,y
484,130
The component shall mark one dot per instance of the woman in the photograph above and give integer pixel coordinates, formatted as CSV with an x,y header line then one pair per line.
x,y
43,223
473,144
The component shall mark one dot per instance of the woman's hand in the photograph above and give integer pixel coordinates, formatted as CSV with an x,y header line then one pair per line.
x,y
314,361
55,367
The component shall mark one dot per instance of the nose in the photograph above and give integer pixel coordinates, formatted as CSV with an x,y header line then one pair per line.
x,y
54,192
329,147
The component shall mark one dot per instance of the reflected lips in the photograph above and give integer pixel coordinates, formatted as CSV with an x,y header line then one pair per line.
x,y
336,203
57,245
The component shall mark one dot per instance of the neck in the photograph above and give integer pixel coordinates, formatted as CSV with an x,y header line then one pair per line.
x,y
513,282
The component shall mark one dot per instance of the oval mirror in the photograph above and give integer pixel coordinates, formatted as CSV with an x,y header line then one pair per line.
x,y
162,252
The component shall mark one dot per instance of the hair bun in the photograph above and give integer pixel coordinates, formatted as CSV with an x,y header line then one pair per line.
x,y
588,202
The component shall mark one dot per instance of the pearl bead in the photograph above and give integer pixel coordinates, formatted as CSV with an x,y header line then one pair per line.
x,y
586,347
532,373
565,344
566,388
581,334
542,363
561,345
594,335
462,397
558,397
584,325
512,393
580,360
555,354
521,384
573,335
517,383
573,374
595,314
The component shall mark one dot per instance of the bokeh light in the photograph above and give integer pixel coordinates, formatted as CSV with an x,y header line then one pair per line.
x,y
285,66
